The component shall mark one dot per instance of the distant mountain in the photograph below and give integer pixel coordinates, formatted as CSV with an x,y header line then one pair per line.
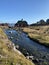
x,y
41,22
11,24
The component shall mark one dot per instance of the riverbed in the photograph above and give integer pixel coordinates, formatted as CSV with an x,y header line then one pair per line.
x,y
29,47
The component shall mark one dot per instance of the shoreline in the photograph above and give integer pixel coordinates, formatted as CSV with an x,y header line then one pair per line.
x,y
35,40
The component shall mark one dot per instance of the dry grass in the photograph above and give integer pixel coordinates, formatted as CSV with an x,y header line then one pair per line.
x,y
38,33
7,55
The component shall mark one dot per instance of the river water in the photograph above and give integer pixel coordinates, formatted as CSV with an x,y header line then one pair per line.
x,y
28,46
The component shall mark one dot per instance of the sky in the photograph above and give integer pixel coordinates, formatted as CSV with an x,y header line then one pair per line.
x,y
30,10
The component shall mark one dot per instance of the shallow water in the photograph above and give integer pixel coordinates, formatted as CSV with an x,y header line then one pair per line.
x,y
33,48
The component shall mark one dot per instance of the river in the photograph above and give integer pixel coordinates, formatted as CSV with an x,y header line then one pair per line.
x,y
26,45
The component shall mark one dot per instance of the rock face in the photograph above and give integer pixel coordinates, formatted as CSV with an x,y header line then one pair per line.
x,y
21,23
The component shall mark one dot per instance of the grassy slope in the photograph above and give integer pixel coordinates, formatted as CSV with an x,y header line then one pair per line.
x,y
7,55
39,34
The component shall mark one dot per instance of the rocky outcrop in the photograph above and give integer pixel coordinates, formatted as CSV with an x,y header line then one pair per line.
x,y
21,23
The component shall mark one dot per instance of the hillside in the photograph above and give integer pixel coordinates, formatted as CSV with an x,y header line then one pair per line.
x,y
8,54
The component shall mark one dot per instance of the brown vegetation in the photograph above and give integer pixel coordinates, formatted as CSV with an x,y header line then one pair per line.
x,y
39,34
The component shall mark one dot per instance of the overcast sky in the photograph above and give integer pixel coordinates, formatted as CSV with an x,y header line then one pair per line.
x,y
30,10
